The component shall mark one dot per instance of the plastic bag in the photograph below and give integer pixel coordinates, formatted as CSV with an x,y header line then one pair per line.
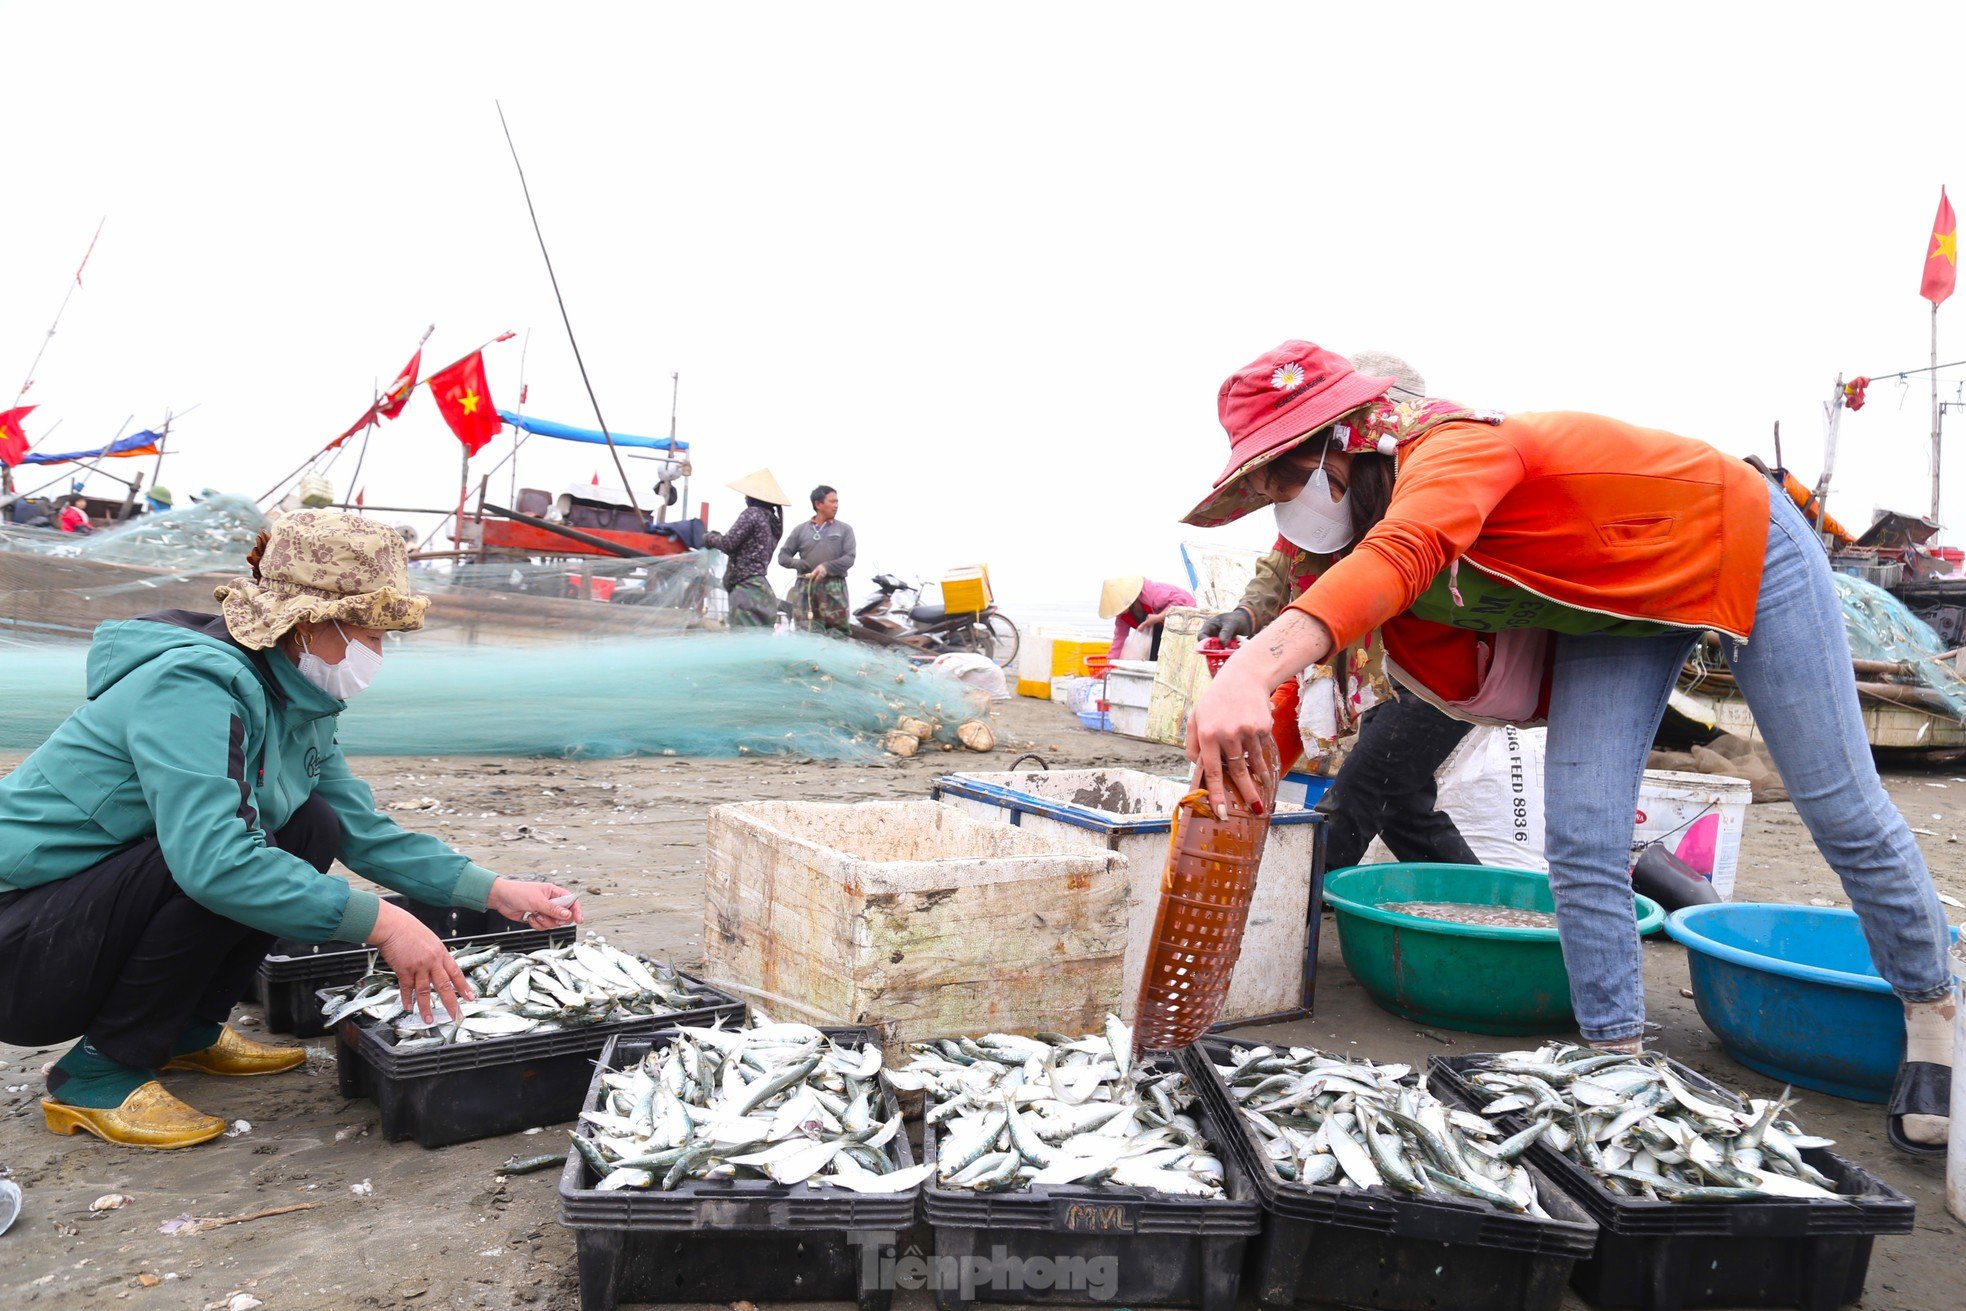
x,y
979,672
1492,788
1139,645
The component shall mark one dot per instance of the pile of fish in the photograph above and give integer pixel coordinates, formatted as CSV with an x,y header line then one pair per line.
x,y
1645,1132
535,992
769,1101
1460,912
1012,1111
1354,1124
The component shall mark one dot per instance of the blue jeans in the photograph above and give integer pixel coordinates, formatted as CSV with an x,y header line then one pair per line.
x,y
1607,697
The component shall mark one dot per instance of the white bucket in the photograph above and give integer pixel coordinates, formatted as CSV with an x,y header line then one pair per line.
x,y
1697,817
1956,1140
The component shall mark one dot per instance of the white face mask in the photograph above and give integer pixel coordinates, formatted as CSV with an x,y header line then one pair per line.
x,y
1313,521
341,681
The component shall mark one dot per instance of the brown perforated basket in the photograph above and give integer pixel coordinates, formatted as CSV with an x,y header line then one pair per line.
x,y
1205,891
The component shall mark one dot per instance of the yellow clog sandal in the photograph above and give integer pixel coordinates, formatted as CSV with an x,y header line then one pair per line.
x,y
240,1056
148,1117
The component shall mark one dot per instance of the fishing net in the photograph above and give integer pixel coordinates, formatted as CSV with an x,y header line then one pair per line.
x,y
214,534
1881,627
706,695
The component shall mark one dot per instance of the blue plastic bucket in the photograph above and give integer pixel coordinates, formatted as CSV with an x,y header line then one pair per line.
x,y
1791,991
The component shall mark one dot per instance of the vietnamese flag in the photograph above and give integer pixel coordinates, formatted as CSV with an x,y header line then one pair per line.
x,y
465,402
398,395
1942,258
13,442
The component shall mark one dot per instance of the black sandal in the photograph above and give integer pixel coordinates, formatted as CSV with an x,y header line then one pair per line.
x,y
1922,1088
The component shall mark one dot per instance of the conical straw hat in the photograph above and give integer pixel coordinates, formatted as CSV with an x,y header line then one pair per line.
x,y
1119,594
760,485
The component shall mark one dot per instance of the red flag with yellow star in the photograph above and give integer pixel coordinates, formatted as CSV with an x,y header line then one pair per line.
x,y
465,401
1942,255
13,442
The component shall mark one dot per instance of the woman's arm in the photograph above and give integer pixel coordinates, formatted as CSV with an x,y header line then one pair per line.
x,y
1229,730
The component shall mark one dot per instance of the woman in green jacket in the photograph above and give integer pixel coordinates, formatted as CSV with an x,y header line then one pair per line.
x,y
186,815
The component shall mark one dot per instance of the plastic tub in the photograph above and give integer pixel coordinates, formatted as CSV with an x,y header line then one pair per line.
x,y
1791,991
1457,976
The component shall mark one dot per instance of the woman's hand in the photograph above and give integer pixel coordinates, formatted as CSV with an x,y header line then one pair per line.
x,y
536,905
420,962
1229,731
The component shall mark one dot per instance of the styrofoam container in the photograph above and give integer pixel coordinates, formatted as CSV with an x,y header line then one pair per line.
x,y
1130,683
1128,721
1128,811
1034,665
911,917
1699,817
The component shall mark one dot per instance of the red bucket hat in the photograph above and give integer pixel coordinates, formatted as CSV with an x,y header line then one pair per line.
x,y
1268,406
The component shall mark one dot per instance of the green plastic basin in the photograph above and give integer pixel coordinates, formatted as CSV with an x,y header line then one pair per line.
x,y
1457,976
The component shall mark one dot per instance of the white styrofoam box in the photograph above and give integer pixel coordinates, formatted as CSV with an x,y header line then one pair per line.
x,y
912,917
1128,811
1034,659
1128,721
1697,817
1131,683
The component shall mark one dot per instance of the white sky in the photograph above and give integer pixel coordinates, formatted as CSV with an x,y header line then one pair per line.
x,y
981,267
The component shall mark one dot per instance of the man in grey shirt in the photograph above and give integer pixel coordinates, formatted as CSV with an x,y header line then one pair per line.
x,y
821,551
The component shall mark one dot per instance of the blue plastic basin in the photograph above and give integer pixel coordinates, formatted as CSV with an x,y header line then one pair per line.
x,y
1791,991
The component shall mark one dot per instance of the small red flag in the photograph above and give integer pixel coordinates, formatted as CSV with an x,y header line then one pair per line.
x,y
13,442
398,395
465,402
358,497
1942,256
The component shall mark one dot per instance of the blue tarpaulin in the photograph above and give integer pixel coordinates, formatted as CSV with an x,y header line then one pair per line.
x,y
569,433
137,443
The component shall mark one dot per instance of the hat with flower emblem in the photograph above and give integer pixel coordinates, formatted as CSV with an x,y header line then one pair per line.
x,y
1268,407
316,565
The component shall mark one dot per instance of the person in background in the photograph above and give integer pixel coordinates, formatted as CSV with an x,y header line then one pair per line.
x,y
186,815
749,542
821,551
1561,567
1136,603
1386,786
157,500
74,519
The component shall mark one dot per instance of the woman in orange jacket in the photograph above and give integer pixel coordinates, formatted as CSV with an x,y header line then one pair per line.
x,y
1561,567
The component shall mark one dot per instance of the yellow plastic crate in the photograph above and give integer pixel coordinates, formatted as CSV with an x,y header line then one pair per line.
x,y
1068,656
1040,690
967,590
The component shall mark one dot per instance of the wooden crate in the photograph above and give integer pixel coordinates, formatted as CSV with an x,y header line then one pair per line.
x,y
913,918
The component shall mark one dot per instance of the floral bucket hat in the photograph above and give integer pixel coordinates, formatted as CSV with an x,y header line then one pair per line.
x,y
317,565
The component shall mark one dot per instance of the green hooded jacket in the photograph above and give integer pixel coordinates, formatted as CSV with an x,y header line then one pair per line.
x,y
189,737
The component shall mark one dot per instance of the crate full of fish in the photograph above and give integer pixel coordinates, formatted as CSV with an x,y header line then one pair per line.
x,y
294,971
762,1162
1377,1193
523,1051
1068,1170
1702,1198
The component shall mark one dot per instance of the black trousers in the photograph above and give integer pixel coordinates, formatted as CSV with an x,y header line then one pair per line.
x,y
119,952
1386,787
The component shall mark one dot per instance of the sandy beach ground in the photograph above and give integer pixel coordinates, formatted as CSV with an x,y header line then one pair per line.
x,y
395,1226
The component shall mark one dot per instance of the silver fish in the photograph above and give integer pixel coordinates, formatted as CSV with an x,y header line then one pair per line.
x,y
536,992
804,1117
1644,1131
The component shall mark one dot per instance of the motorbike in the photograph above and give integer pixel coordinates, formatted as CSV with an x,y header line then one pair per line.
x,y
932,630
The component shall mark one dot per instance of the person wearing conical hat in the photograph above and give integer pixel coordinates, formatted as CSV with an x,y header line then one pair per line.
x,y
749,542
184,817
1134,602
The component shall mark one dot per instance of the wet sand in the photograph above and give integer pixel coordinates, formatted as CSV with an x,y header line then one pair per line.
x,y
395,1226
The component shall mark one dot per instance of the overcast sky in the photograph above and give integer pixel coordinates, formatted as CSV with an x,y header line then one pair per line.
x,y
982,267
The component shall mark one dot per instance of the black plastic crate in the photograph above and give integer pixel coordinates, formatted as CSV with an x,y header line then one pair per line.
x,y
444,1095
1160,1249
726,1240
294,971
1783,1252
1390,1250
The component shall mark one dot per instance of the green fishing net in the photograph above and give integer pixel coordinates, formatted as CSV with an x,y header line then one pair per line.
x,y
704,695
1881,627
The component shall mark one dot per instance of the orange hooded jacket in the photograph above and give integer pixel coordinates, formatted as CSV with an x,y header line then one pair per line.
x,y
1601,517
